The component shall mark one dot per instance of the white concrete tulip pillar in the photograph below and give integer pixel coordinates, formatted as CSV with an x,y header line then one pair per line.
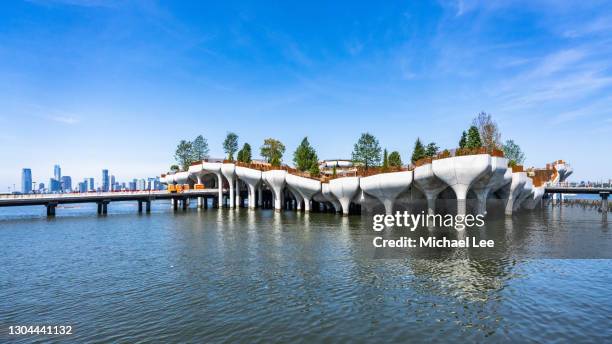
x,y
344,189
460,172
276,181
490,181
386,186
306,187
228,171
215,168
526,193
327,196
425,180
252,178
536,196
514,190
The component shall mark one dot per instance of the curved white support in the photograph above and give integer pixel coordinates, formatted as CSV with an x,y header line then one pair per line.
x,y
536,197
344,189
182,178
327,196
516,186
252,178
526,193
460,173
306,187
430,185
276,181
215,168
491,181
386,186
228,171
296,194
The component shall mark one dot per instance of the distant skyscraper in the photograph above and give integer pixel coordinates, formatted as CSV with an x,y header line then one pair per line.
x,y
26,180
91,185
141,185
66,184
55,185
112,183
105,181
57,172
83,186
41,187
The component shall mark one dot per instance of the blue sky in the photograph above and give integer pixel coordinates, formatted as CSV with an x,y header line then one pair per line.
x,y
94,84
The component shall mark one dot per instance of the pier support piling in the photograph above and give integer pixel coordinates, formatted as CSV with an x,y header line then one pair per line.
x,y
139,207
51,209
148,207
604,203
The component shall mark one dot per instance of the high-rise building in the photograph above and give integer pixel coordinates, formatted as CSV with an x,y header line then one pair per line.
x,y
141,185
41,187
57,172
83,186
55,185
26,180
112,183
91,185
66,183
105,181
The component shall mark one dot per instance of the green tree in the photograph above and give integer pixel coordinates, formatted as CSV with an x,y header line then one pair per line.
x,y
230,145
272,150
513,153
431,150
184,154
385,164
244,155
334,172
367,151
174,168
473,138
419,151
305,157
314,170
463,140
199,148
395,160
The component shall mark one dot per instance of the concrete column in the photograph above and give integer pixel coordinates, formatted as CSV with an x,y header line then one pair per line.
x,y
51,209
604,203
260,196
139,207
99,208
200,202
185,203
104,207
238,204
148,207
220,187
175,204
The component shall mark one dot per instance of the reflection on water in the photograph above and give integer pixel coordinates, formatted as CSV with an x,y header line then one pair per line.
x,y
291,277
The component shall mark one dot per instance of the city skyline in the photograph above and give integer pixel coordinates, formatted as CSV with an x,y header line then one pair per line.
x,y
119,84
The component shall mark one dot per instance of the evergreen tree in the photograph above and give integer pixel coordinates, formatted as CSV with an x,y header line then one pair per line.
x,y
463,140
174,168
184,154
199,148
305,157
418,152
473,138
272,150
366,151
431,150
395,160
334,171
385,164
230,145
244,155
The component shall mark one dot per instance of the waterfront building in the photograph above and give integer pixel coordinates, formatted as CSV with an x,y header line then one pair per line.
x,y
57,172
105,181
41,187
66,182
83,186
132,185
141,185
26,180
91,185
112,183
55,185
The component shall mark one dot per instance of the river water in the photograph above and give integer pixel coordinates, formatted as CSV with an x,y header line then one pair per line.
x,y
240,276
